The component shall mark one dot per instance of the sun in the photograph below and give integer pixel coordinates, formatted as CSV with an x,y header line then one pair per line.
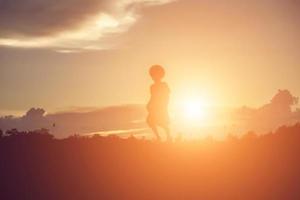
x,y
193,110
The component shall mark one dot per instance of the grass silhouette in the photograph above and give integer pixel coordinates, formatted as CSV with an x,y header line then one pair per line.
x,y
35,165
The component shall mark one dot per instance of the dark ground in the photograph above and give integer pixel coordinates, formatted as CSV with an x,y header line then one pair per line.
x,y
34,165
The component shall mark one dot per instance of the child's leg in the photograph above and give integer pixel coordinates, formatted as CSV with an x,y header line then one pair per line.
x,y
155,131
151,121
167,130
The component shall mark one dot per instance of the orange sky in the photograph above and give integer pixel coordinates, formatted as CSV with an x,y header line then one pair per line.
x,y
232,53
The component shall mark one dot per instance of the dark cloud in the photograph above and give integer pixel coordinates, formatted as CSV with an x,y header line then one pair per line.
x,y
30,18
68,24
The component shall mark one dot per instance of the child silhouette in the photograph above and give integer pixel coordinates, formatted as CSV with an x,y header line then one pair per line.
x,y
158,104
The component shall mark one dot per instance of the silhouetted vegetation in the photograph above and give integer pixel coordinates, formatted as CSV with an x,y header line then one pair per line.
x,y
35,165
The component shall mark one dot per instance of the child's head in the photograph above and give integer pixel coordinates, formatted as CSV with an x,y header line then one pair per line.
x,y
157,72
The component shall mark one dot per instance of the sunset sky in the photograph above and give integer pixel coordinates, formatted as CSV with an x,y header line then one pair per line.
x,y
95,53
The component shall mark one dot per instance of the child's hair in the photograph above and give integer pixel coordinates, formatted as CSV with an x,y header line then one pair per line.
x,y
157,72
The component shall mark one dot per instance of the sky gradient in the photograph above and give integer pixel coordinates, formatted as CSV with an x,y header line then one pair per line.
x,y
232,53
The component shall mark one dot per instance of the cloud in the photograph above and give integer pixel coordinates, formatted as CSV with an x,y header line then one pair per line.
x,y
67,25
81,121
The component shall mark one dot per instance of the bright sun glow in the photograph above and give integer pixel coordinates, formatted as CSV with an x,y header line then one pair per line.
x,y
193,110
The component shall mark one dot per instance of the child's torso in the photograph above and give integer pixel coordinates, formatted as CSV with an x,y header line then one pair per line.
x,y
159,96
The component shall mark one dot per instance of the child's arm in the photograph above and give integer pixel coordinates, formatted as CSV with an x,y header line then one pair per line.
x,y
150,101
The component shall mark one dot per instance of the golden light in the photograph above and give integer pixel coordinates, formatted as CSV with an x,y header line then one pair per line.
x,y
193,110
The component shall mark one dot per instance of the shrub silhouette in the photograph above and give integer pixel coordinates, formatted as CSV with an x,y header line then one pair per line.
x,y
34,165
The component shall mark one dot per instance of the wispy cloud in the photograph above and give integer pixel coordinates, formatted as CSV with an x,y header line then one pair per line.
x,y
67,25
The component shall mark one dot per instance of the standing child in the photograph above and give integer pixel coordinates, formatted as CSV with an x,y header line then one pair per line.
x,y
158,105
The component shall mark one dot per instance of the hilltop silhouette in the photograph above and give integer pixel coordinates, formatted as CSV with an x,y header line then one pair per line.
x,y
35,165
